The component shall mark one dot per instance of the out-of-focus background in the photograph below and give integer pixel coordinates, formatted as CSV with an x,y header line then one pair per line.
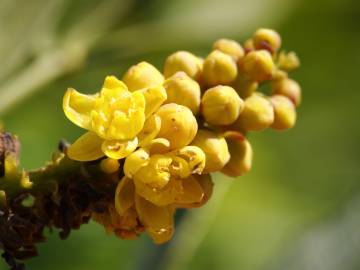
x,y
298,209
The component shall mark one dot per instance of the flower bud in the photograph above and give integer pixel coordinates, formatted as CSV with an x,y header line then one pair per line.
x,y
244,86
183,90
221,105
288,61
241,155
178,125
230,47
219,68
267,39
258,114
289,88
215,149
249,45
284,112
109,165
183,61
142,75
258,65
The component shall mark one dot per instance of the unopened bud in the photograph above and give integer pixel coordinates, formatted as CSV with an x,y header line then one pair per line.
x,y
230,47
258,65
249,45
289,88
258,114
221,105
288,61
178,125
215,149
241,155
183,90
142,75
219,68
109,165
244,86
284,112
183,61
267,39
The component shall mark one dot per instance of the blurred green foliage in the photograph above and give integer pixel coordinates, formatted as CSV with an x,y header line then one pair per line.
x,y
300,178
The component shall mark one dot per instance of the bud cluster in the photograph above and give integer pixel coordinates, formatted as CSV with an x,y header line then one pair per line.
x,y
153,139
162,134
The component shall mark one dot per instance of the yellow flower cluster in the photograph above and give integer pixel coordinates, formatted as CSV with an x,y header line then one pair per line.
x,y
163,134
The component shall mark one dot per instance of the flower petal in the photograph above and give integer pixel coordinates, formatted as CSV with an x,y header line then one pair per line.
x,y
112,82
159,196
77,107
135,162
117,149
86,148
194,156
159,221
124,195
150,130
192,191
154,97
207,187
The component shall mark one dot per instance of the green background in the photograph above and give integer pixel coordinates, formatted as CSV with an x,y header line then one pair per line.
x,y
298,208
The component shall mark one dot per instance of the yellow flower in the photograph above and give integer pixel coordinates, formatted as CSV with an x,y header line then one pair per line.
x,y
117,120
159,178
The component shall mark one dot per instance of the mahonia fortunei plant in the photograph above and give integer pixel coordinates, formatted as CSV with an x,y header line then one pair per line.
x,y
151,142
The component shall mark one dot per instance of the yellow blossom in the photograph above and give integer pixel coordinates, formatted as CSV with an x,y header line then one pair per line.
x,y
115,119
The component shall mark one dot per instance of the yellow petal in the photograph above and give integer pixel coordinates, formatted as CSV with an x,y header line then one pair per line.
x,y
207,187
117,149
124,195
194,156
158,220
154,97
157,173
180,167
135,162
86,148
77,107
159,196
191,192
112,82
150,130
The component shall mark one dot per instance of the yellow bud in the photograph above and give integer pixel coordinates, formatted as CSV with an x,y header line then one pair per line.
x,y
109,165
289,88
221,105
240,156
215,149
249,45
219,68
244,86
267,39
258,114
183,61
284,111
258,65
142,75
178,125
230,47
183,90
288,61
